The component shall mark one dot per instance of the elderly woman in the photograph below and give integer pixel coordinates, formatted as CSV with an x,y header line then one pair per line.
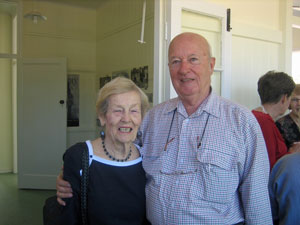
x,y
289,125
275,89
116,176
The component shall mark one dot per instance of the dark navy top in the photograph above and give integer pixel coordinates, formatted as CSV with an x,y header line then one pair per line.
x,y
116,193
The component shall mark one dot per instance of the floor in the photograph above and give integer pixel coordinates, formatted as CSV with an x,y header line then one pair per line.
x,y
20,207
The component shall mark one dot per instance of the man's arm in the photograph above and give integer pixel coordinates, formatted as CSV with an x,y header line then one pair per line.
x,y
63,189
255,176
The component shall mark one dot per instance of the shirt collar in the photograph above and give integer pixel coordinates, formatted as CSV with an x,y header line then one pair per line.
x,y
172,105
209,105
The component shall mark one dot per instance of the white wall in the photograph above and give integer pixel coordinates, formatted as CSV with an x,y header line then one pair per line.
x,y
296,39
296,50
118,32
258,44
6,152
68,32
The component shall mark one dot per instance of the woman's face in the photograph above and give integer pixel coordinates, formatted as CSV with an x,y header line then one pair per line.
x,y
123,117
295,105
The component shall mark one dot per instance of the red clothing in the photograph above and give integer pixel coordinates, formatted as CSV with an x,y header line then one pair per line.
x,y
274,141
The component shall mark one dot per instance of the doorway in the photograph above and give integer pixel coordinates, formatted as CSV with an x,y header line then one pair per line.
x,y
42,122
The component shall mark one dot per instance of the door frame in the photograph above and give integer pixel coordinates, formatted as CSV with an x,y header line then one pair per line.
x,y
167,25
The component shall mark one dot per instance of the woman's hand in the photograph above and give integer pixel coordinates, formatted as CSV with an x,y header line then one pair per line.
x,y
63,189
295,147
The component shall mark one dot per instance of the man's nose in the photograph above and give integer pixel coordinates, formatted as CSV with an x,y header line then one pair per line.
x,y
184,67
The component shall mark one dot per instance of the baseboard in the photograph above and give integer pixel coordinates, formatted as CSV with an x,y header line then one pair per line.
x,y
6,171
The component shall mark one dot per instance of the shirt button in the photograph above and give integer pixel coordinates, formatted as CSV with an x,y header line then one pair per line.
x,y
172,204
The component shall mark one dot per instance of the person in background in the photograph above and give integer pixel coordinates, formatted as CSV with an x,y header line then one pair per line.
x,y
116,176
289,125
284,189
204,156
274,89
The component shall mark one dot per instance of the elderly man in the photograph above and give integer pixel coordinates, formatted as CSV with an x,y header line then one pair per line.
x,y
205,157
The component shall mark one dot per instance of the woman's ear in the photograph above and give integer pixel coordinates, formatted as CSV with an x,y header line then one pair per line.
x,y
102,120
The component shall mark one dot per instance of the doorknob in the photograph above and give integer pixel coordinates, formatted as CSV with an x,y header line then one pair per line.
x,y
61,102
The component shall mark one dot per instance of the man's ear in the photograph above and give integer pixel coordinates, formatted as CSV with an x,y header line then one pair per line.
x,y
212,62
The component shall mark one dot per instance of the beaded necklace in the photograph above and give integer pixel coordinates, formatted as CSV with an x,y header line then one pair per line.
x,y
112,157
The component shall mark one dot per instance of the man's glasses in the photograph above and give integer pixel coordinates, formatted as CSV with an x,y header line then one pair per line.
x,y
169,141
199,139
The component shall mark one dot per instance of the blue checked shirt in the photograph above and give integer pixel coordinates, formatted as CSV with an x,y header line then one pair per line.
x,y
210,167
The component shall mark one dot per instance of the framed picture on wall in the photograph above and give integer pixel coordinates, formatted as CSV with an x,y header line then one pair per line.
x,y
104,80
140,76
122,73
73,100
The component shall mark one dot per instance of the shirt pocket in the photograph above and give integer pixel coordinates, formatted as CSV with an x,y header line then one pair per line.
x,y
216,180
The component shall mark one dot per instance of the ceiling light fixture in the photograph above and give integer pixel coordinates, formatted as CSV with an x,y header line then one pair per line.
x,y
35,16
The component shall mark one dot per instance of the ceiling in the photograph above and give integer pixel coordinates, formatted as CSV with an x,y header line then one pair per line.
x,y
97,3
81,3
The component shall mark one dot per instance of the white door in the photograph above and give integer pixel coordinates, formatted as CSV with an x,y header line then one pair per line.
x,y
209,20
42,91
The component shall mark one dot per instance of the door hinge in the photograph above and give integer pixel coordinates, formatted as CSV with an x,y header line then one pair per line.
x,y
228,27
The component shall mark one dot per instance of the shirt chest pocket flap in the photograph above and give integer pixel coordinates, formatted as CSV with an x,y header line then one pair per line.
x,y
217,177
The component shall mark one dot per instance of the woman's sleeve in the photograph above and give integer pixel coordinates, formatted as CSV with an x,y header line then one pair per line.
x,y
72,165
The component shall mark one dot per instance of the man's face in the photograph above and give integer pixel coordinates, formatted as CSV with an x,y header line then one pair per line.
x,y
190,66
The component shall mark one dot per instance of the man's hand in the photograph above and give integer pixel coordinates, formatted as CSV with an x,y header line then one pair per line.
x,y
63,189
295,147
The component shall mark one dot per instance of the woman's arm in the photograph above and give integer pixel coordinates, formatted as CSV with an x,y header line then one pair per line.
x,y
72,165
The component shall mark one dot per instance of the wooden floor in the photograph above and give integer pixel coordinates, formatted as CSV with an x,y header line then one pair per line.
x,y
20,207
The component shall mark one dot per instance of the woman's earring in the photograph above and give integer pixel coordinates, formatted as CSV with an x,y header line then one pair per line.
x,y
102,134
139,134
139,138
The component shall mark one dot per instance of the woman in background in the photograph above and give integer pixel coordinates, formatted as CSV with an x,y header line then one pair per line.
x,y
289,125
116,191
274,89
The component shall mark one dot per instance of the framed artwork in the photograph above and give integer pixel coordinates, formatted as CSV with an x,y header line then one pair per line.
x,y
73,100
122,73
104,80
140,77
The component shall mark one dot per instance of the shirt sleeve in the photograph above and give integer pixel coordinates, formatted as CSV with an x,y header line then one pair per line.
x,y
284,190
72,166
254,183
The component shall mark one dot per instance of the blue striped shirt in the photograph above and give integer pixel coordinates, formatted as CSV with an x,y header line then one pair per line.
x,y
214,168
